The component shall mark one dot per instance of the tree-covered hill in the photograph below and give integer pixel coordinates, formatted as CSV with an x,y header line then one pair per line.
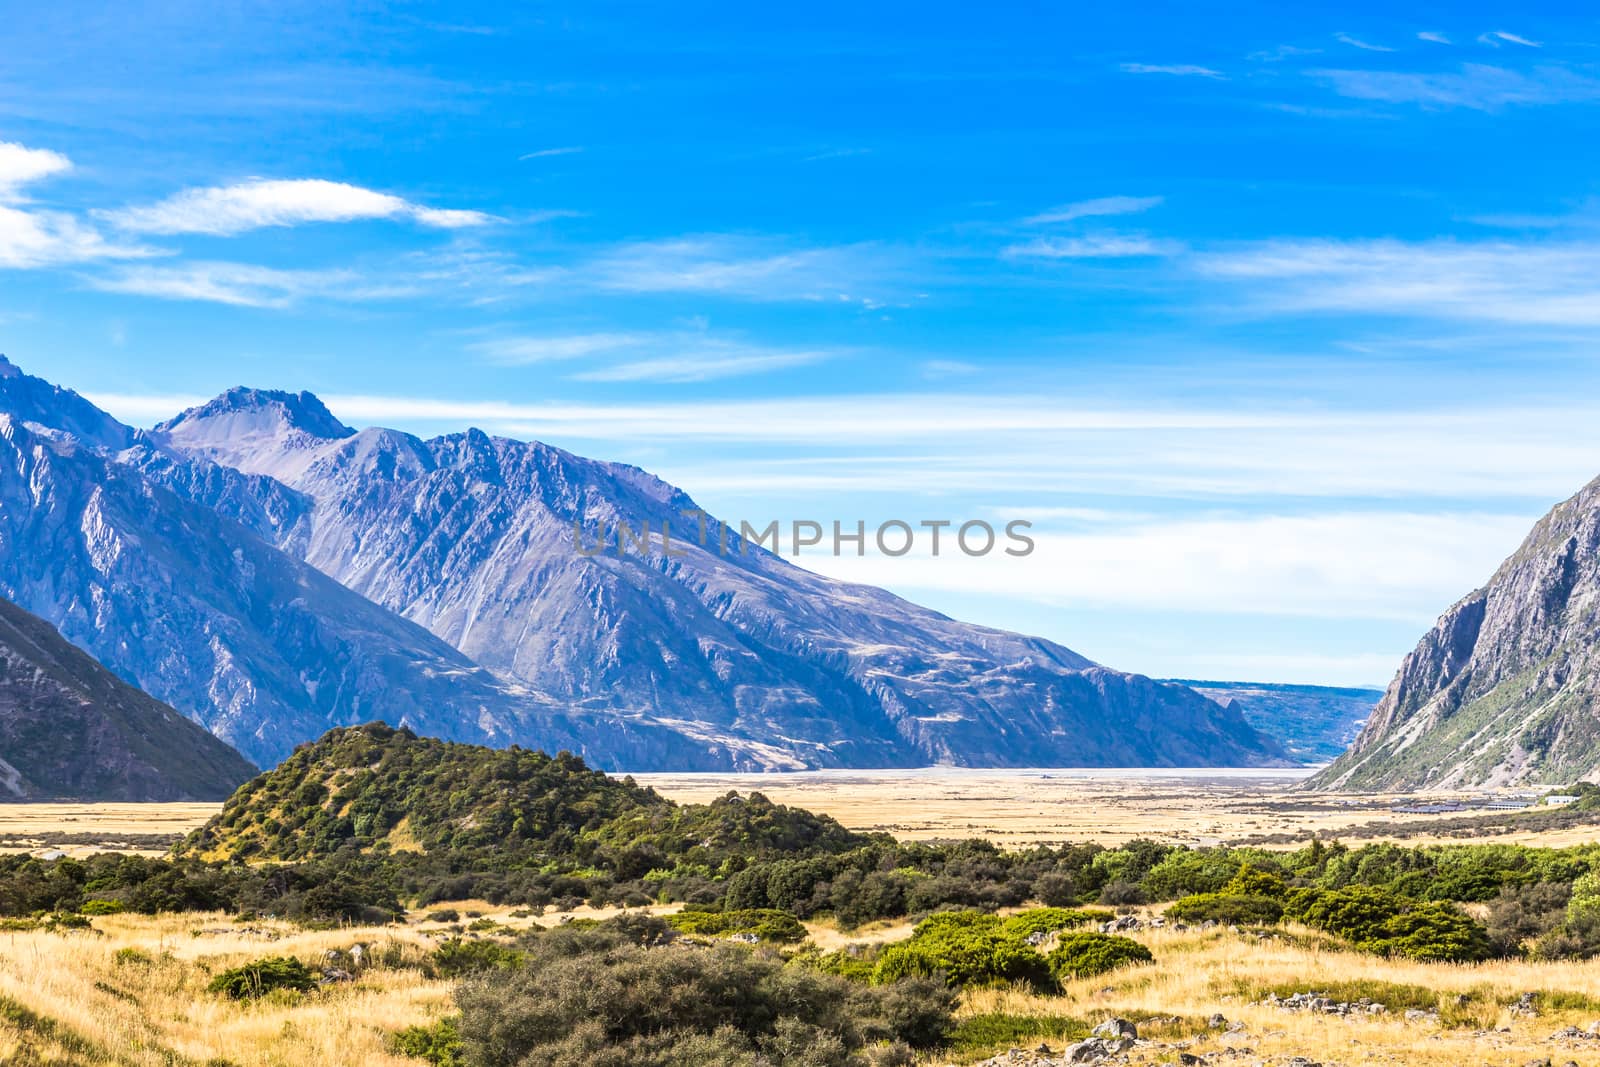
x,y
378,789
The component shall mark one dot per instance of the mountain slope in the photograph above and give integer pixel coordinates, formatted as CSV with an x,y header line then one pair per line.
x,y
1314,723
260,648
1505,689
473,537
72,730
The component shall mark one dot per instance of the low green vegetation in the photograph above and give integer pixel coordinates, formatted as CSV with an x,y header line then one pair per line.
x,y
763,924
1089,955
618,995
261,977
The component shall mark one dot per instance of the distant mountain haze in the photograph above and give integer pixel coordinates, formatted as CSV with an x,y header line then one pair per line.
x,y
274,573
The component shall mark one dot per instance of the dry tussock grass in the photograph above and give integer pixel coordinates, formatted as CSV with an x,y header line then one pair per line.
x,y
98,1009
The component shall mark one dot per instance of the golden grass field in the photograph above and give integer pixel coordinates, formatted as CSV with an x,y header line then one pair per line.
x,y
1015,809
66,999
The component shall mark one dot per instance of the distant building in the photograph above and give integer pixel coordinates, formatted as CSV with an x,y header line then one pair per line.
x,y
1557,799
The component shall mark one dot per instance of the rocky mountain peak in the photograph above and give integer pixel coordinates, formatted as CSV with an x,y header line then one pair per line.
x,y
8,369
247,410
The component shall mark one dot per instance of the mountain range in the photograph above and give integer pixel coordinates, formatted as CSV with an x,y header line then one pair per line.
x,y
1314,723
273,573
1505,689
70,729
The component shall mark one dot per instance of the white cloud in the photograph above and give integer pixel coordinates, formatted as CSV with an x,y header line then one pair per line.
x,y
237,284
1476,86
258,203
1092,246
1435,38
515,351
21,165
1396,566
32,239
1356,42
742,267
1105,205
546,153
1550,284
1179,69
1495,37
705,362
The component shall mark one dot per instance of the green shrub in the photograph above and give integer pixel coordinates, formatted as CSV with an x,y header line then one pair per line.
x,y
592,997
101,907
1253,882
439,1044
1227,908
444,915
133,957
768,924
966,948
456,958
1050,920
1085,955
1432,931
260,977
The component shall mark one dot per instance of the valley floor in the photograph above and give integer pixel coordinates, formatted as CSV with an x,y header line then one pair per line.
x,y
132,992
1015,809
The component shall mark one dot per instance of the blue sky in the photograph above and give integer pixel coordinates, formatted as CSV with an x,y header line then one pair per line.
x,y
1278,322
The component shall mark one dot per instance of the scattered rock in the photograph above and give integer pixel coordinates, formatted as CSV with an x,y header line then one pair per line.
x,y
1115,1028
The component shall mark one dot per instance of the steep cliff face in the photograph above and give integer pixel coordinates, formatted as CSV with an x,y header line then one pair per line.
x,y
72,730
1505,689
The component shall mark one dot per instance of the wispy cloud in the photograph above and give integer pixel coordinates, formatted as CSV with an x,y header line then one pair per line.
x,y
744,267
837,153
1356,42
1477,86
258,203
1435,38
1187,70
546,153
517,351
1494,38
1104,205
703,362
32,238
237,284
669,356
1092,246
1282,52
1553,284
21,165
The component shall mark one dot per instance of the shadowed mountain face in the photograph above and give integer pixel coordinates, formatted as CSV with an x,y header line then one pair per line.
x,y
72,730
348,575
1505,689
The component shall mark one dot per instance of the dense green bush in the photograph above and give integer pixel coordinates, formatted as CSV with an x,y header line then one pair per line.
x,y
594,997
1085,955
457,957
439,1044
1380,922
260,977
965,948
1232,909
768,924
1051,920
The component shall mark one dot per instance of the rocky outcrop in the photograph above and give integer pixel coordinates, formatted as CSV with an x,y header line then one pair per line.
x,y
72,730
1505,689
